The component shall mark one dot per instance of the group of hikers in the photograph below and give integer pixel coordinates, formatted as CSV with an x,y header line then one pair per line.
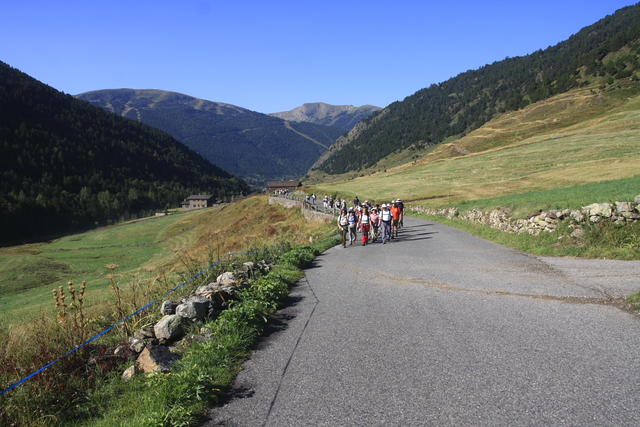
x,y
379,221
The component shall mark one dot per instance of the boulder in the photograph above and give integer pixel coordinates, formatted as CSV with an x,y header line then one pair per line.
x,y
194,308
168,307
594,218
637,199
604,210
136,344
171,327
227,279
156,359
249,266
129,373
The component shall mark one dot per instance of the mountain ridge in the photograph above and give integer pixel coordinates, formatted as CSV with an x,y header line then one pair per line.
x,y
344,117
255,146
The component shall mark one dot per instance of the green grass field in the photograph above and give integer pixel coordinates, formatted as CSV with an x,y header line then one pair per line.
x,y
160,248
28,273
538,148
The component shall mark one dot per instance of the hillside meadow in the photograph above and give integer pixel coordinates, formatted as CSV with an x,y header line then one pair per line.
x,y
585,136
160,249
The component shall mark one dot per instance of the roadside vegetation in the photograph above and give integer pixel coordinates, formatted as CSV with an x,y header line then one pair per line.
x,y
88,383
603,240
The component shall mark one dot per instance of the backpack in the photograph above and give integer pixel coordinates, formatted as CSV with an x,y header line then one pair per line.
x,y
386,215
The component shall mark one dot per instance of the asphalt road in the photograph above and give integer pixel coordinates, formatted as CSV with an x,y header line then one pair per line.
x,y
443,328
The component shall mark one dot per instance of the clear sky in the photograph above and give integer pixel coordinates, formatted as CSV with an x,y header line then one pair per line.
x,y
269,55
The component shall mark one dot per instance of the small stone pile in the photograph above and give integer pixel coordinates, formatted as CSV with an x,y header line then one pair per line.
x,y
619,213
157,346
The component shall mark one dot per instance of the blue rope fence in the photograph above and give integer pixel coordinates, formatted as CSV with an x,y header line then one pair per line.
x,y
120,322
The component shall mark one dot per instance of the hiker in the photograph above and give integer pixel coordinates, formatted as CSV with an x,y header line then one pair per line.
x,y
353,222
385,223
356,202
364,223
395,220
343,224
375,224
401,206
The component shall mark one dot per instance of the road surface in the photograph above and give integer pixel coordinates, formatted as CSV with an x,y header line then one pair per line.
x,y
442,328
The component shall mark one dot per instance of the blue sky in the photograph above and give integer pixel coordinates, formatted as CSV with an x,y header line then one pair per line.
x,y
275,55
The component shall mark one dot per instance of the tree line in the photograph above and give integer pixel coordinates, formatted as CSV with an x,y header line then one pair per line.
x,y
608,49
67,165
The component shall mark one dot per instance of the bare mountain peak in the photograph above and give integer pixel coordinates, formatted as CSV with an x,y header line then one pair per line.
x,y
343,117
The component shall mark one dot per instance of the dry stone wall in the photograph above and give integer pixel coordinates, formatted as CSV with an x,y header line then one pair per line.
x,y
620,213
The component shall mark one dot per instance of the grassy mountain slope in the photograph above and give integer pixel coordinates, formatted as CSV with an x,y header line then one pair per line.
x,y
583,136
344,117
252,145
467,101
66,164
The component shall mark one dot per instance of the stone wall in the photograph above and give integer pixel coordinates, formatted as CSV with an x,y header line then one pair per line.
x,y
287,203
619,213
309,214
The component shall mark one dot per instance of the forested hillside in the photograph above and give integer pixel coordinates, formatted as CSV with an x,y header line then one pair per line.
x,y
66,164
603,52
252,145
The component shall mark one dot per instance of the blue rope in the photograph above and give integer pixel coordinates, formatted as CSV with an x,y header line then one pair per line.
x,y
98,335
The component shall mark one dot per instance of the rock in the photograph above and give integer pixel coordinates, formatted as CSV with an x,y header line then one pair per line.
x,y
144,333
194,308
249,266
594,218
211,287
637,199
156,359
171,327
577,216
129,373
578,233
604,210
136,344
227,279
168,307
622,207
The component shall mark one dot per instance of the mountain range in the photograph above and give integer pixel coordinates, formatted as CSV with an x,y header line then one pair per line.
x,y
601,53
65,164
343,117
252,145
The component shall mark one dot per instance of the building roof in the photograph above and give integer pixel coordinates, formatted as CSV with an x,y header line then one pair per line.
x,y
199,197
278,184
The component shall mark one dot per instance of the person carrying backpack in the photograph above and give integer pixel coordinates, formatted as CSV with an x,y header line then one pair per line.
x,y
385,223
364,224
401,206
343,224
